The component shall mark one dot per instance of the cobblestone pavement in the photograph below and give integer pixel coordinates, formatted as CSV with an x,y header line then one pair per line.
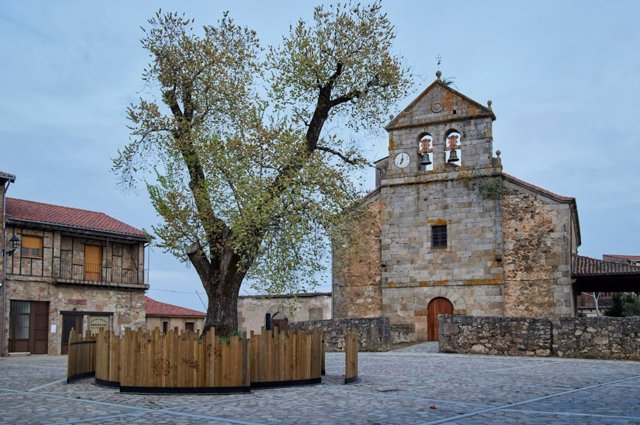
x,y
408,386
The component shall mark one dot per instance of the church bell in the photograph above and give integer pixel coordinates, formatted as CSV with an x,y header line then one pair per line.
x,y
424,159
453,156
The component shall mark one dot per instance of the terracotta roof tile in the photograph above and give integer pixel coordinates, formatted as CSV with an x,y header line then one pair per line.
x,y
74,218
587,266
156,308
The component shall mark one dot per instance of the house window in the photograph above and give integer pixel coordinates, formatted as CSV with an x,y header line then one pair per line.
x,y
439,236
31,246
188,326
165,327
97,323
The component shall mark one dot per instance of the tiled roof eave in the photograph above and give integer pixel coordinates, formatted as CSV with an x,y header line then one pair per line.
x,y
601,274
592,267
75,229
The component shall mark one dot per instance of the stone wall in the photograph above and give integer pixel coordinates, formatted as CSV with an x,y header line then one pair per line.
x,y
598,337
375,333
356,264
537,255
582,337
512,336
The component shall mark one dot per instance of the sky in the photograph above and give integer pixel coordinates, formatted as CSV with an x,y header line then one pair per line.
x,y
563,76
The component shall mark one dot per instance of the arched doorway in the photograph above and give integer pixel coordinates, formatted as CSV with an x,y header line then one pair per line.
x,y
436,306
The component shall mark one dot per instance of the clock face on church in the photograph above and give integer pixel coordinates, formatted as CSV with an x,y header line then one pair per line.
x,y
402,160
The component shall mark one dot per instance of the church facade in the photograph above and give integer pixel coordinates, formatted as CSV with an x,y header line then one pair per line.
x,y
448,231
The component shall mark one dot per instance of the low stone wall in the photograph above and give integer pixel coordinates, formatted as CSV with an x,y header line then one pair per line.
x,y
403,333
512,336
582,337
598,337
374,333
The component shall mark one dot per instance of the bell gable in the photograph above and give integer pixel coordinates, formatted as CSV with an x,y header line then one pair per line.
x,y
436,104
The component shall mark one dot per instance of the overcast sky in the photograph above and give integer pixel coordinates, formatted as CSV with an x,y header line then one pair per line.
x,y
564,78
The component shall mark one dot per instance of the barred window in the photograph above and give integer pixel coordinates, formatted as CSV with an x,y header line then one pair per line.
x,y
439,236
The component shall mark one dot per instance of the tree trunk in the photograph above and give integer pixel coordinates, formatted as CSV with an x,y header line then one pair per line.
x,y
222,309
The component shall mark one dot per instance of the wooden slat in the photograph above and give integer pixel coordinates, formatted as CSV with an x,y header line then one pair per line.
x,y
351,357
81,361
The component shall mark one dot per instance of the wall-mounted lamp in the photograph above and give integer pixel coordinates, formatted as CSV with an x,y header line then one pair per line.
x,y
15,243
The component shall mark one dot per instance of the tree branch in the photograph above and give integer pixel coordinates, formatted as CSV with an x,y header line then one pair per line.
x,y
352,161
354,94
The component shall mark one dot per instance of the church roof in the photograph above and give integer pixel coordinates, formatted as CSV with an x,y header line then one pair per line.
x,y
74,219
439,103
538,189
587,266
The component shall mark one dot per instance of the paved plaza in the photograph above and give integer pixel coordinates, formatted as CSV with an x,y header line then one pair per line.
x,y
414,385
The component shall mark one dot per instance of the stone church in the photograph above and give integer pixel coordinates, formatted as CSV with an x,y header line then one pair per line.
x,y
447,231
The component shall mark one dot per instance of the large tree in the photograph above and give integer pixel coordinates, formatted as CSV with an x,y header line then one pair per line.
x,y
235,151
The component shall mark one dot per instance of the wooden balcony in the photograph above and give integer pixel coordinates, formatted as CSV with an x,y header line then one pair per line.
x,y
97,275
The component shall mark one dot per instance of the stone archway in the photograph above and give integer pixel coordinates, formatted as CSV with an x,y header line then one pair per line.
x,y
439,305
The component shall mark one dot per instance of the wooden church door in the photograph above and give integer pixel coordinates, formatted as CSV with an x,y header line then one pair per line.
x,y
436,306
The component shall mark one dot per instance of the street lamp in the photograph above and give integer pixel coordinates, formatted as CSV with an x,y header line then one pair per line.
x,y
15,243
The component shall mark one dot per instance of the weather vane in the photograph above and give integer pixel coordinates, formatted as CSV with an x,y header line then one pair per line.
x,y
439,59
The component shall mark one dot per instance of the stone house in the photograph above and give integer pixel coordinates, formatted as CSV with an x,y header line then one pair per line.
x,y
66,268
446,230
168,316
252,309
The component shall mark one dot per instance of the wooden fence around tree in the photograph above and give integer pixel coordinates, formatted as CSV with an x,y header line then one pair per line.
x,y
286,357
82,356
140,361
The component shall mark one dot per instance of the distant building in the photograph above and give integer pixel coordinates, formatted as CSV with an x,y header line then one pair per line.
x,y
168,316
252,309
603,278
633,260
65,268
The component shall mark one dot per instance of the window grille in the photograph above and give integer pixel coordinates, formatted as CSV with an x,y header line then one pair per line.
x,y
439,236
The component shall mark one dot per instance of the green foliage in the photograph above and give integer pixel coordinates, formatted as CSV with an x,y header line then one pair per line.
x,y
626,305
631,305
616,307
232,143
491,187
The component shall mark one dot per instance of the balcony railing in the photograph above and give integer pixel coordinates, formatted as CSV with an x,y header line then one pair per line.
x,y
96,273
93,272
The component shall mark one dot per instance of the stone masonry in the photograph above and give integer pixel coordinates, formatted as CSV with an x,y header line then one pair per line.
x,y
579,337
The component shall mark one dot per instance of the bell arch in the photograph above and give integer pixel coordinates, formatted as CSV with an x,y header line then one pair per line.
x,y
453,147
425,150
